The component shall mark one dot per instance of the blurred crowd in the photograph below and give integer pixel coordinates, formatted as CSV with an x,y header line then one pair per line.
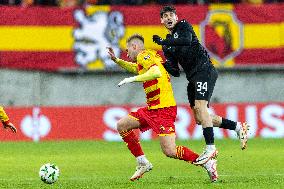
x,y
71,3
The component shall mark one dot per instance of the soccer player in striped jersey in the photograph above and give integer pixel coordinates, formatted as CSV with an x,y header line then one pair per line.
x,y
5,121
161,110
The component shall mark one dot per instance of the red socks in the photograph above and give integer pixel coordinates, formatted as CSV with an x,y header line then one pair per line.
x,y
132,142
184,153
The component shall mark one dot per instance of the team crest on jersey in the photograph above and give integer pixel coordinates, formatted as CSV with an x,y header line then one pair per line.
x,y
175,35
146,57
222,35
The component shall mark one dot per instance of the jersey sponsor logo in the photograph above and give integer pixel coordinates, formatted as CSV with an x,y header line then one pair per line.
x,y
146,57
96,32
222,35
201,159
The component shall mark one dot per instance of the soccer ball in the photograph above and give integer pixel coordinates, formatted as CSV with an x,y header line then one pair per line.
x,y
49,173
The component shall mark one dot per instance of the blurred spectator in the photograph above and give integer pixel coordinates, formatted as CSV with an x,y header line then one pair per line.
x,y
166,1
120,2
253,1
46,2
133,2
10,2
67,3
73,3
224,1
26,3
91,2
190,1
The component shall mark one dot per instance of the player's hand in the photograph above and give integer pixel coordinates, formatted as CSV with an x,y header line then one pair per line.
x,y
157,39
126,80
111,53
9,125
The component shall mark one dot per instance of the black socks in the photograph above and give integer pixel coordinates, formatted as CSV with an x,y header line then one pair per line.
x,y
228,124
208,135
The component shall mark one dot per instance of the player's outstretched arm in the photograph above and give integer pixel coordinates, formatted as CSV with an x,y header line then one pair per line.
x,y
153,73
5,121
129,66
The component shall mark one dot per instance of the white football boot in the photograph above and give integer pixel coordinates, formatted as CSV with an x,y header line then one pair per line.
x,y
243,134
140,170
211,168
206,155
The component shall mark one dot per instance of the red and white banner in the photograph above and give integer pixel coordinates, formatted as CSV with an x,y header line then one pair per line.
x,y
99,122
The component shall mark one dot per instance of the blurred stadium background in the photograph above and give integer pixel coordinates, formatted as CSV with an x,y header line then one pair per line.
x,y
58,84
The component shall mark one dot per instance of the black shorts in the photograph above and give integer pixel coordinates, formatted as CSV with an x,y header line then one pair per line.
x,y
201,86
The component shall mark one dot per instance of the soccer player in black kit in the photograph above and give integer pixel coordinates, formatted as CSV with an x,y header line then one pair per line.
x,y
182,46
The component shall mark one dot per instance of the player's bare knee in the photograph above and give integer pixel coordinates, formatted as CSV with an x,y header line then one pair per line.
x,y
200,114
197,115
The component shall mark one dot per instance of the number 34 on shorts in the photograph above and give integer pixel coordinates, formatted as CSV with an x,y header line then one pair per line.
x,y
201,87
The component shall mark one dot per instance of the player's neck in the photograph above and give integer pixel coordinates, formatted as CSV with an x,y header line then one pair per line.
x,y
170,30
138,52
141,50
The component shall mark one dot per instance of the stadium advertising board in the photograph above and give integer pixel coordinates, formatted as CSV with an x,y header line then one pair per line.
x,y
52,39
99,122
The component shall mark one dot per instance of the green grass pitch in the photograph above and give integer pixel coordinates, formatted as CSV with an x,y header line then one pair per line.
x,y
93,164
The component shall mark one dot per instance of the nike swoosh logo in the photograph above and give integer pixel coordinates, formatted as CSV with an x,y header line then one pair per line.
x,y
202,159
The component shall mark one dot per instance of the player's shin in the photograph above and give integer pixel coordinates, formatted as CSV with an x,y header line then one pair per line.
x,y
184,153
132,142
208,134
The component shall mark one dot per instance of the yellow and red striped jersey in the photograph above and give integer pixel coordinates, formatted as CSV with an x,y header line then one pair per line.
x,y
159,93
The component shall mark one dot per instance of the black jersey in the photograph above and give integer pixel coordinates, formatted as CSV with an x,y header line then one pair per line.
x,y
183,46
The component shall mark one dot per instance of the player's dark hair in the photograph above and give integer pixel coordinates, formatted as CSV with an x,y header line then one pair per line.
x,y
135,36
167,8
